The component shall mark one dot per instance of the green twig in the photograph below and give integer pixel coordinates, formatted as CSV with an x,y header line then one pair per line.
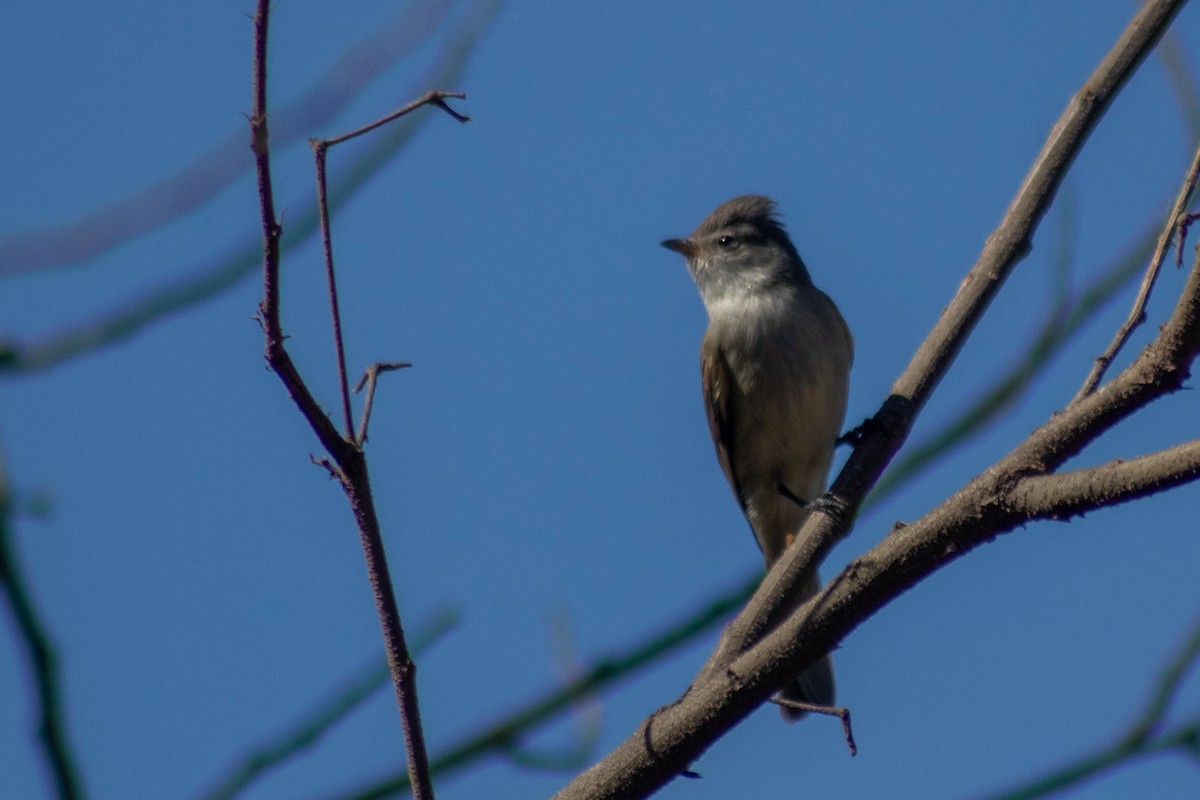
x,y
245,257
1143,739
177,195
309,730
505,735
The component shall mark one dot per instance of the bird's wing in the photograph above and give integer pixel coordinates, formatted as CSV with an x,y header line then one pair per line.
x,y
718,385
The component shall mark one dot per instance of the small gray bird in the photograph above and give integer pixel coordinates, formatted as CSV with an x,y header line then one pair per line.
x,y
775,366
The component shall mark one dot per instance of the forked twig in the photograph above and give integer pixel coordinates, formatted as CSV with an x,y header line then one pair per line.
x,y
1137,315
99,230
369,379
320,149
346,461
133,314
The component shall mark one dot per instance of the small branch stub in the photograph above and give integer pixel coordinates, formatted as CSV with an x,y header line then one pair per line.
x,y
369,379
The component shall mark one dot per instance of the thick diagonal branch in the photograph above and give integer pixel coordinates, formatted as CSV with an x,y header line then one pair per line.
x,y
1066,494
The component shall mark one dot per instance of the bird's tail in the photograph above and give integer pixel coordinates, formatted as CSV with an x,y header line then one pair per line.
x,y
815,686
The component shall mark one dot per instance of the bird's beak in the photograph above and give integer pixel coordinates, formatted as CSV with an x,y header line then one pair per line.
x,y
686,247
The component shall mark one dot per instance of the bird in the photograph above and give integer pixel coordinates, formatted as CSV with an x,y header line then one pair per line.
x,y
775,369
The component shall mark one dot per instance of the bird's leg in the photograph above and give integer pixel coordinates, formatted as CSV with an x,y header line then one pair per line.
x,y
790,495
855,434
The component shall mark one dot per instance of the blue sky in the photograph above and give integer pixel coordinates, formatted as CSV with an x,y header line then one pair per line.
x,y
546,462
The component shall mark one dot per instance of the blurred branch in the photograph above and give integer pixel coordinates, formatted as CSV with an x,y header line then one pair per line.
x,y
308,731
243,258
569,758
1071,311
587,713
185,191
508,732
1183,83
43,660
1145,737
126,320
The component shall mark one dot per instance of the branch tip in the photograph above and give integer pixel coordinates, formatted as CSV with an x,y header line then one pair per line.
x,y
373,371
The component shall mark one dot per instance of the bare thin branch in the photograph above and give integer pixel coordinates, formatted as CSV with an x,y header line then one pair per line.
x,y
1070,315
308,731
268,309
56,750
1010,242
543,709
179,194
1137,315
1144,737
348,462
435,98
244,256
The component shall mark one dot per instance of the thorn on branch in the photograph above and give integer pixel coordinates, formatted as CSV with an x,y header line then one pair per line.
x,y
334,471
548,761
1184,224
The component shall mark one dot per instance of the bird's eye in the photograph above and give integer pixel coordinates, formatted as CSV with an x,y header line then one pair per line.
x,y
728,242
